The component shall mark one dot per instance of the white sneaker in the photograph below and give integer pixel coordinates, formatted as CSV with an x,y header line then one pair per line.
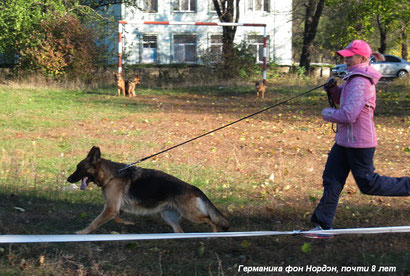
x,y
317,235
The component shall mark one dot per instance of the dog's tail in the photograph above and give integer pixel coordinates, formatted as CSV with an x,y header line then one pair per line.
x,y
214,214
218,218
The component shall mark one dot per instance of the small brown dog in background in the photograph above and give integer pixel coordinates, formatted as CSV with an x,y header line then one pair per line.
x,y
260,89
130,86
120,83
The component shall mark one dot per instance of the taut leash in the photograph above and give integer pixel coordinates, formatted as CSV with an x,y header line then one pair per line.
x,y
219,128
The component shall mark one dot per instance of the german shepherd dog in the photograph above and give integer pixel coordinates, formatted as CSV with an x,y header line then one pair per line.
x,y
130,86
260,89
144,191
120,83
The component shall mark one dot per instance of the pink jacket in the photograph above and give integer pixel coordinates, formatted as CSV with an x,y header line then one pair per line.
x,y
357,99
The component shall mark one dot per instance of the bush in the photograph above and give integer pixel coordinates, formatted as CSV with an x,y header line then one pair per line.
x,y
62,46
241,62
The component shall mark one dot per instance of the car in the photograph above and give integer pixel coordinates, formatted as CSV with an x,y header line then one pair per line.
x,y
391,67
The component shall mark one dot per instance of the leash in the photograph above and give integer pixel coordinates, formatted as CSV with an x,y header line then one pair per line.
x,y
219,128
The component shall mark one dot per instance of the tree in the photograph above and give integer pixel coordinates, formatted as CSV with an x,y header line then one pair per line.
x,y
340,23
51,36
64,46
19,18
314,9
387,17
403,37
97,4
403,19
379,22
227,11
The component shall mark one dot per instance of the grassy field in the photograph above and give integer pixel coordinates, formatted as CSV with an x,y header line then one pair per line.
x,y
263,173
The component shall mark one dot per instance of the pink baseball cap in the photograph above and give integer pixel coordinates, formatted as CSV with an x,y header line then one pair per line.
x,y
356,47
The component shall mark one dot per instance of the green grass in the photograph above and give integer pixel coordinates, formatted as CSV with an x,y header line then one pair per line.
x,y
42,107
28,157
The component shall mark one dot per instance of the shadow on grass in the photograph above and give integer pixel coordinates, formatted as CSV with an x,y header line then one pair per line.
x,y
191,256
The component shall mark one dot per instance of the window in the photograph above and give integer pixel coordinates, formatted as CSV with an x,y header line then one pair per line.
x,y
391,59
184,5
212,6
256,44
184,48
149,49
150,6
258,5
387,58
215,46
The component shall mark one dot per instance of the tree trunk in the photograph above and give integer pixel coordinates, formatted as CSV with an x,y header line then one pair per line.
x,y
227,47
314,11
383,36
404,49
227,11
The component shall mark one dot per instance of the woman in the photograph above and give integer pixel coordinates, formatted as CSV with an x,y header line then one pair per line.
x,y
355,140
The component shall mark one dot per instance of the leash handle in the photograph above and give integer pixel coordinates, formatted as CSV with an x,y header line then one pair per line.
x,y
222,127
332,103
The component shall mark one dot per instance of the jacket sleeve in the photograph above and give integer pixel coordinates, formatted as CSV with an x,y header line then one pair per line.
x,y
354,100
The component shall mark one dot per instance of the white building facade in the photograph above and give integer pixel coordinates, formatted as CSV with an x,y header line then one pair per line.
x,y
168,44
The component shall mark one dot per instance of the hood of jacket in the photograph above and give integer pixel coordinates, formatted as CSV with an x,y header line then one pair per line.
x,y
363,69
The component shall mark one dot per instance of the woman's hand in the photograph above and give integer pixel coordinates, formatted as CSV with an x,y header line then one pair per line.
x,y
330,83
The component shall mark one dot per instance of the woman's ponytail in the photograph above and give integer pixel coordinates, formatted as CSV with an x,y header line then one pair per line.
x,y
378,56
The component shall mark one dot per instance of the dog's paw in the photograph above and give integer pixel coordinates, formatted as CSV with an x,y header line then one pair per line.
x,y
82,232
128,223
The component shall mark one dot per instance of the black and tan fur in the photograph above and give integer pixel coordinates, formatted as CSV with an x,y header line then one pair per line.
x,y
130,86
144,191
120,83
260,89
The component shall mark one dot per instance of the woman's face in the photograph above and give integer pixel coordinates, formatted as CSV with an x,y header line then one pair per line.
x,y
354,60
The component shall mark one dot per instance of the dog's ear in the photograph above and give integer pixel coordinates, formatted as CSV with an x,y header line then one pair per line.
x,y
94,154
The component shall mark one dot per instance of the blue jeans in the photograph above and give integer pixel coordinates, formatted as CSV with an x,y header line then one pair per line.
x,y
359,161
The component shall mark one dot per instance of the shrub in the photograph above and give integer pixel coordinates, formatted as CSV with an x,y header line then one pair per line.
x,y
62,46
241,62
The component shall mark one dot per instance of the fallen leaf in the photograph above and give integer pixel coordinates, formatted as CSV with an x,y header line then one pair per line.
x,y
201,250
41,260
306,247
245,244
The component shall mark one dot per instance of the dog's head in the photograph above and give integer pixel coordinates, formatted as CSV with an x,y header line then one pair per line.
x,y
117,76
136,79
257,84
86,170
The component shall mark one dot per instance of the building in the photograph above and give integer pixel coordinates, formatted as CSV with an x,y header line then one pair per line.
x,y
168,44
